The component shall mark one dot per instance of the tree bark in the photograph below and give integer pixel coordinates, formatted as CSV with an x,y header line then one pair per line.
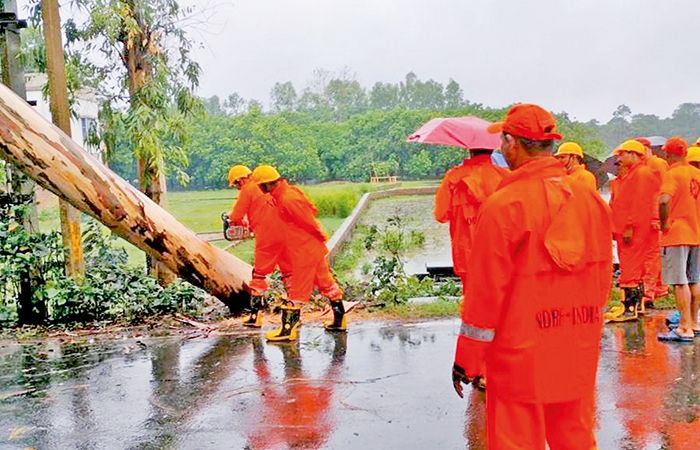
x,y
60,113
137,48
54,161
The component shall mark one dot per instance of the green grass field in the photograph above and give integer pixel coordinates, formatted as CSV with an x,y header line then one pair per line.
x,y
201,211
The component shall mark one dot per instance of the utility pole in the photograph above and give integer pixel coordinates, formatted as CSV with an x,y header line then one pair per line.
x,y
22,187
60,114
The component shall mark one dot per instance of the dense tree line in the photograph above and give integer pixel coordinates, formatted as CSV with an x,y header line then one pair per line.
x,y
334,129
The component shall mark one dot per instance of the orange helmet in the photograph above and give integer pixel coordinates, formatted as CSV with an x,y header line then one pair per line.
x,y
693,154
237,172
631,146
569,148
265,174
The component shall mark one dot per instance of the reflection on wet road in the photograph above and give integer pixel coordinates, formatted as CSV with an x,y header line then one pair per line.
x,y
378,386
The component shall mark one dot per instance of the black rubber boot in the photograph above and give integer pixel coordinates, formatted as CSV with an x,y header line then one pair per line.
x,y
631,303
339,322
255,319
289,331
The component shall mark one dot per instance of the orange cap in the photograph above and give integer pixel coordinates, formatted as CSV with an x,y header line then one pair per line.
x,y
528,121
676,146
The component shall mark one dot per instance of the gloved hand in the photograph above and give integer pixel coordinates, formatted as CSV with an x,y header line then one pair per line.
x,y
459,377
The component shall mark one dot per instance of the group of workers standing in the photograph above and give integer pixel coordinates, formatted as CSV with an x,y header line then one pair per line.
x,y
288,236
533,248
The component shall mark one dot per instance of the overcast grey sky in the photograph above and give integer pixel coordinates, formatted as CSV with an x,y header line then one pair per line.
x,y
585,57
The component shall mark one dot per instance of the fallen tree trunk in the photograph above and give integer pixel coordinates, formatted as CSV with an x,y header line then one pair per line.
x,y
56,162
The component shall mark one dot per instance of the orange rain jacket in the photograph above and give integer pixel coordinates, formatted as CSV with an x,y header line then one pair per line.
x,y
542,245
581,174
633,202
305,245
682,184
263,218
658,166
462,191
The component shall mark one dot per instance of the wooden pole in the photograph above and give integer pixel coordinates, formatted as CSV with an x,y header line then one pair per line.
x,y
49,156
60,113
28,311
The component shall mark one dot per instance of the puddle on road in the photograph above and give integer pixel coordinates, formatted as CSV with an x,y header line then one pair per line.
x,y
378,386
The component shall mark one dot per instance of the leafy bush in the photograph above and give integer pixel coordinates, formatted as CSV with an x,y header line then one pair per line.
x,y
111,289
114,291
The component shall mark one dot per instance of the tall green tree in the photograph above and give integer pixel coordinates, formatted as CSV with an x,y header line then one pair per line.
x,y
144,59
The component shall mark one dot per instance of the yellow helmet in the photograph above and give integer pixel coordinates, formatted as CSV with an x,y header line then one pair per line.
x,y
569,148
693,154
631,146
237,172
265,174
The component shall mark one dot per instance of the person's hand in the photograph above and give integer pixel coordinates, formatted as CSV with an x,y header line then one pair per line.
x,y
627,236
459,378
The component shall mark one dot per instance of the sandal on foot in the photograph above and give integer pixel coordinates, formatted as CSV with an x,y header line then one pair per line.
x,y
673,336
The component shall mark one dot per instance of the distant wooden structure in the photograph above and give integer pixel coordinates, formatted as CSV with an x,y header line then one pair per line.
x,y
380,174
386,179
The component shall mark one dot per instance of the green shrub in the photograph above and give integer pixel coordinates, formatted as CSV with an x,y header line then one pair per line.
x,y
111,289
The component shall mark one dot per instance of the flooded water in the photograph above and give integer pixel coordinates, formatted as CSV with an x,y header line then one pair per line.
x,y
378,386
416,212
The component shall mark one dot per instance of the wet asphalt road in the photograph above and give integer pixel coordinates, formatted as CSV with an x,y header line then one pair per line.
x,y
380,386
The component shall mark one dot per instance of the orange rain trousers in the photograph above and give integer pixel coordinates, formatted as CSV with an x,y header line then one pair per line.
x,y
653,286
534,314
304,246
516,426
461,192
633,202
262,216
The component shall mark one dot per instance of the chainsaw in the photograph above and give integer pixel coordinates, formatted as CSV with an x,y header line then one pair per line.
x,y
234,232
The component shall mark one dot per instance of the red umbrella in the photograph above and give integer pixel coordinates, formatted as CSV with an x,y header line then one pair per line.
x,y
465,132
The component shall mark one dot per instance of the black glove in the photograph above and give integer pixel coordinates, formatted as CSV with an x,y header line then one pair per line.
x,y
459,377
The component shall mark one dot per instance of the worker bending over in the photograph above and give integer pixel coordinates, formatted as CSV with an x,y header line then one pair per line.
x,y
305,249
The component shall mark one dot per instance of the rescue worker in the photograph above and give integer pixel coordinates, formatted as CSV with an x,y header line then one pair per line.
x,y
461,192
571,154
635,220
680,238
305,249
534,313
255,210
653,287
657,164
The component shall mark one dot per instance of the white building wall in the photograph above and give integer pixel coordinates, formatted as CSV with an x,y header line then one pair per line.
x,y
84,111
